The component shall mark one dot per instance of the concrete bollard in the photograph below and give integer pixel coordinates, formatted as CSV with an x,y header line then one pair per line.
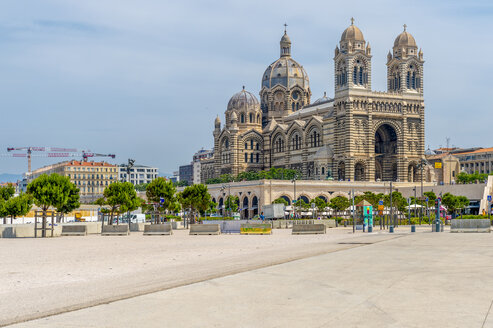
x,y
370,229
391,229
413,228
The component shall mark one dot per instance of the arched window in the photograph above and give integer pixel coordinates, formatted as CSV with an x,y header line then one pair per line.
x,y
251,143
251,158
258,157
258,118
360,76
246,145
246,158
257,146
251,118
242,118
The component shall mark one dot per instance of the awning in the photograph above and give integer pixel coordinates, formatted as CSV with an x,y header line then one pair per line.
x,y
414,206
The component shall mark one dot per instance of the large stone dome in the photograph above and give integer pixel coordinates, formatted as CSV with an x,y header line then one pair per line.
x,y
243,101
286,72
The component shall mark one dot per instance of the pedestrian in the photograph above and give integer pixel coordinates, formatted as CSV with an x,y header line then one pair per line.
x,y
262,217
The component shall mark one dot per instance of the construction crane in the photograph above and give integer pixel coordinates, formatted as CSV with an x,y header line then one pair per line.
x,y
53,152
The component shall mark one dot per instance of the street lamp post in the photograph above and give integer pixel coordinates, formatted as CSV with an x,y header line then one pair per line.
x,y
421,166
229,198
391,228
294,198
351,195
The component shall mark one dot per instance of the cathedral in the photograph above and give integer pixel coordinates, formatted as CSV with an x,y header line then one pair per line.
x,y
359,135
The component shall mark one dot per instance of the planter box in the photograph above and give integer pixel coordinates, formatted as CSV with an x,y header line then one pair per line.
x,y
205,229
308,229
137,226
470,225
115,230
158,229
256,229
74,230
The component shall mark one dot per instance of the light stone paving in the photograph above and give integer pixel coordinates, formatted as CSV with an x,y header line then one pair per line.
x,y
419,280
41,277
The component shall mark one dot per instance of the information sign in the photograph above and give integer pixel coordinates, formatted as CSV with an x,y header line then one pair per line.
x,y
489,198
438,165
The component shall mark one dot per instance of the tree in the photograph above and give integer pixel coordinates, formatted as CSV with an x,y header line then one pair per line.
x,y
54,191
212,207
280,200
6,192
73,200
196,198
120,197
449,201
141,187
462,202
320,204
431,198
162,188
398,201
339,203
301,205
18,206
3,211
231,203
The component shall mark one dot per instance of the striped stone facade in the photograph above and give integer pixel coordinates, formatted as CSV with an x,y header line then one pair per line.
x,y
359,135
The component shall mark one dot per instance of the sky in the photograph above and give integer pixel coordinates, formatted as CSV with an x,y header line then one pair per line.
x,y
145,79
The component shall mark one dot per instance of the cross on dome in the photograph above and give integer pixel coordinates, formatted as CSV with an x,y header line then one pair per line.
x,y
405,26
352,21
285,26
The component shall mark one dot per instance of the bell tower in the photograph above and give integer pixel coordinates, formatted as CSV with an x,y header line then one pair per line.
x,y
405,65
352,61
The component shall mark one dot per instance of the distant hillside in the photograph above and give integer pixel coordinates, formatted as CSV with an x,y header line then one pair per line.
x,y
8,177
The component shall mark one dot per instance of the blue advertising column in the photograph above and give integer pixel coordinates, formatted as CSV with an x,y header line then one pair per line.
x,y
368,217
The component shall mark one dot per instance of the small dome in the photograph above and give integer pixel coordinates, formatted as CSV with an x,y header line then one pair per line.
x,y
286,72
323,99
352,33
217,121
405,39
285,38
243,100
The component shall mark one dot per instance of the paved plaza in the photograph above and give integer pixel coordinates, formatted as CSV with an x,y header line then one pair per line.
x,y
333,280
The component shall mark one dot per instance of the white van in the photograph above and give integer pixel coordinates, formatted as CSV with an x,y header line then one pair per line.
x,y
138,218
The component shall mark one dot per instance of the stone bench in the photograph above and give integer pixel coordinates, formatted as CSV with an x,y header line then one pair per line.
x,y
308,229
470,225
158,229
205,229
256,229
74,230
115,230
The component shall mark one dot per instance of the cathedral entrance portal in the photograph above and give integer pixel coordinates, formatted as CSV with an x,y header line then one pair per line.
x,y
386,153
